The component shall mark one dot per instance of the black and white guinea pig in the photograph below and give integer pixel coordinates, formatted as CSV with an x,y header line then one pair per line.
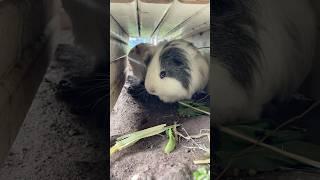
x,y
262,50
176,71
138,59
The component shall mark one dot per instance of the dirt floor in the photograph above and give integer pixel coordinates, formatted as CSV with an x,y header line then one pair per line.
x,y
146,159
52,142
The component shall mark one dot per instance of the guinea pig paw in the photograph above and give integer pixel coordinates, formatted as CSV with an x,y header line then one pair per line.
x,y
135,89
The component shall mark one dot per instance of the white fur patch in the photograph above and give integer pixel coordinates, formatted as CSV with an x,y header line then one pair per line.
x,y
171,90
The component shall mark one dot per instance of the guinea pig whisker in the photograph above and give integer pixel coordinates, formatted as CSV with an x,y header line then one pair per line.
x,y
99,101
141,90
94,104
206,47
93,90
136,61
95,79
203,99
89,81
104,74
90,84
140,93
118,58
101,74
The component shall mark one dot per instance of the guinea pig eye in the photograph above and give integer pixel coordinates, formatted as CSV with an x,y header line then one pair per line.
x,y
163,74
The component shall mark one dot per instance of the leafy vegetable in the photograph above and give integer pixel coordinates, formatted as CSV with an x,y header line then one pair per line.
x,y
170,146
189,108
130,139
201,174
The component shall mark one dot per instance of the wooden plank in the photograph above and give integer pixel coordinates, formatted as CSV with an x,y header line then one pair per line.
x,y
10,35
118,48
195,1
17,89
26,64
125,14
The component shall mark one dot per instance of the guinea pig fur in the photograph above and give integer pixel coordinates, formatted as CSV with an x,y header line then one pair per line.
x,y
176,71
262,49
138,59
89,28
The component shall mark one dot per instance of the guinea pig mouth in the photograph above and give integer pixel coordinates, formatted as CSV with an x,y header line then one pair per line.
x,y
152,92
169,99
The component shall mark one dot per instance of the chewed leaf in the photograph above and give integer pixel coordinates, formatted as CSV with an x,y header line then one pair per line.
x,y
201,173
130,139
170,146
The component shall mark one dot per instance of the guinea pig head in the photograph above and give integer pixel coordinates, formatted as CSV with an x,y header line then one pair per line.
x,y
139,57
169,74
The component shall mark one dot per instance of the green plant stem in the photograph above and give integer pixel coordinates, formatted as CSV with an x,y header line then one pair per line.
x,y
197,109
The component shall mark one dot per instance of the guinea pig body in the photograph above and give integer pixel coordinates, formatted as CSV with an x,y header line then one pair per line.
x,y
261,50
138,58
89,28
176,71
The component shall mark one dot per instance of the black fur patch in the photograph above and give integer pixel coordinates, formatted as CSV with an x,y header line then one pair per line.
x,y
174,62
234,46
139,93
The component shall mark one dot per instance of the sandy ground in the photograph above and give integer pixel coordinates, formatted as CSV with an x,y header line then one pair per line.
x,y
52,142
146,159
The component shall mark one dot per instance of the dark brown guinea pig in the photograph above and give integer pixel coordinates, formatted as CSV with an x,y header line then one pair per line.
x,y
138,59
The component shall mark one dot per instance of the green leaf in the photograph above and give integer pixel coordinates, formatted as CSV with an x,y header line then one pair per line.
x,y
184,111
201,174
130,139
170,146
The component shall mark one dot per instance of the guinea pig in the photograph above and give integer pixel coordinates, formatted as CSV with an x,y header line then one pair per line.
x,y
86,93
176,71
138,59
262,50
89,28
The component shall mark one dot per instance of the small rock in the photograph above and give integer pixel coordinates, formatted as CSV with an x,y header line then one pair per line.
x,y
88,144
47,80
73,132
24,151
52,125
141,176
68,125
188,150
146,168
180,172
252,172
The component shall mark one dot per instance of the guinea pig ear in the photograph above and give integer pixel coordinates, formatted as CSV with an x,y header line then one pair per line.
x,y
137,49
148,59
161,43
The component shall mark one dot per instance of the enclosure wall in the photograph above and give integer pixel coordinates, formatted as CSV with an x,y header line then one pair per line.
x,y
24,56
118,50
